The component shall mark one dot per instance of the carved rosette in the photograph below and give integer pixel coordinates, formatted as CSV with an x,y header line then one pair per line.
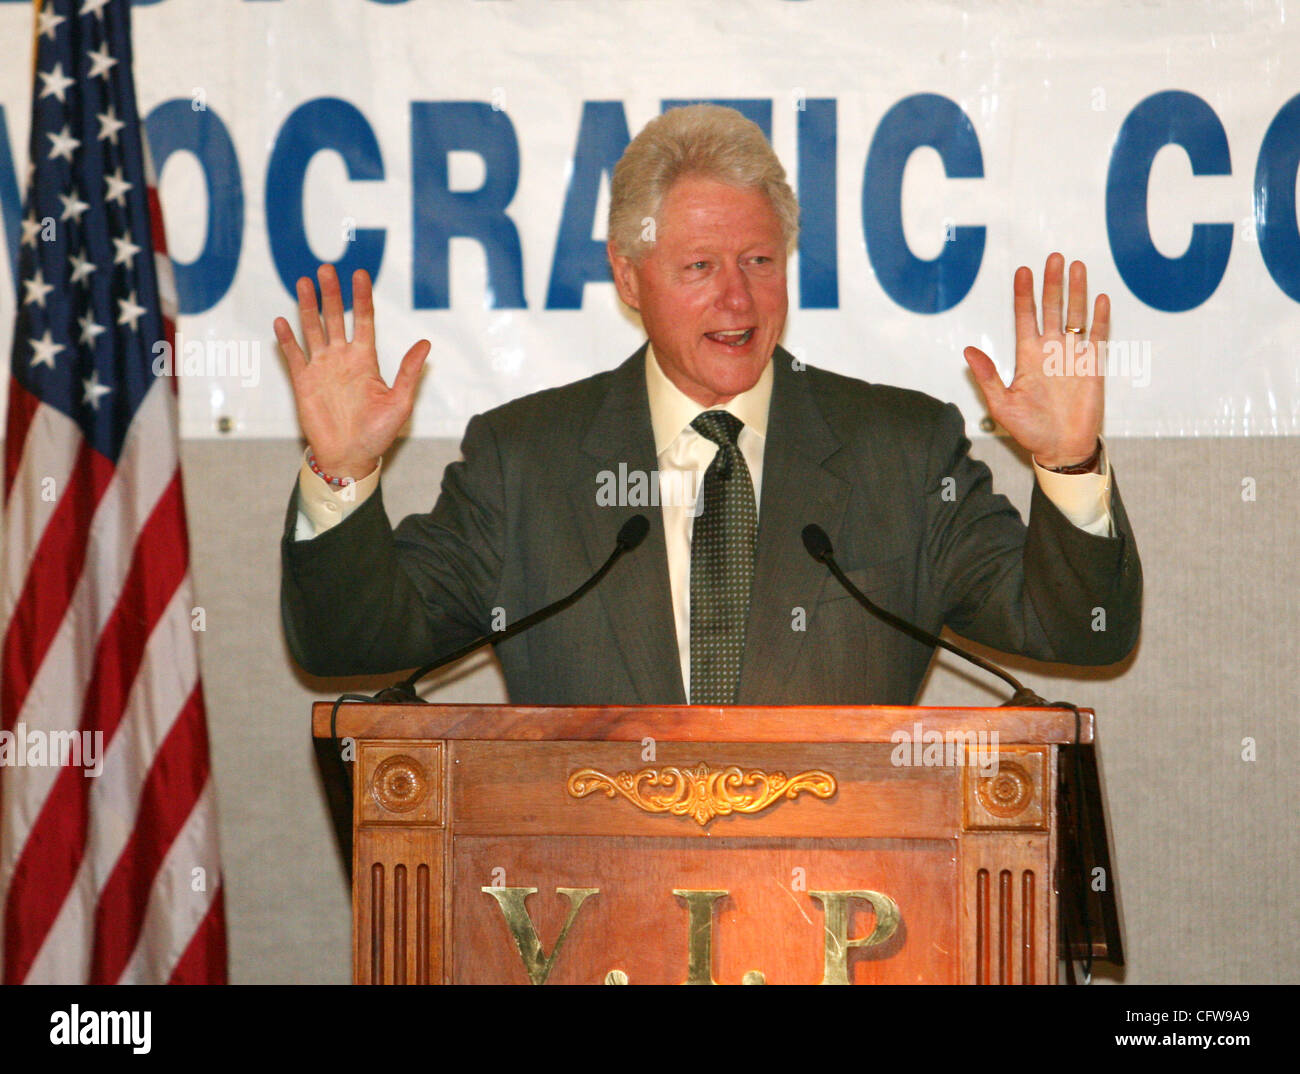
x,y
1007,793
701,792
399,783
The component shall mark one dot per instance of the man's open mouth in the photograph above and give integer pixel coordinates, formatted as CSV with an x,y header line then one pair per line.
x,y
737,338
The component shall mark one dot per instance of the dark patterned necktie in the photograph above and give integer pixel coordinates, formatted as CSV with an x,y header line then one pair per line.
x,y
722,564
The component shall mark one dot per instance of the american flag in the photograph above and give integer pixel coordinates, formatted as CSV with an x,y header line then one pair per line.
x,y
111,876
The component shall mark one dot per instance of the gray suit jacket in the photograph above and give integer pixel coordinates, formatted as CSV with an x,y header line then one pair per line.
x,y
518,525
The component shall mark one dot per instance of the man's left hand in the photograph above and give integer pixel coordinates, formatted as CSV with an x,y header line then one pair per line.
x,y
1053,406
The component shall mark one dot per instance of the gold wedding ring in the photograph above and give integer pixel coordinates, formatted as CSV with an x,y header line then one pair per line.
x,y
1068,329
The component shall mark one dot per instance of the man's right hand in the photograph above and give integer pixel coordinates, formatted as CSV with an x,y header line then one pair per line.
x,y
347,412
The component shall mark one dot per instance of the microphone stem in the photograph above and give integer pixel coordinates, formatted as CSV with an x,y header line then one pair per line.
x,y
1023,696
405,690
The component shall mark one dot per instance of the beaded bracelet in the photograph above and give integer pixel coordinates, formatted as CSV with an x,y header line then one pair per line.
x,y
333,482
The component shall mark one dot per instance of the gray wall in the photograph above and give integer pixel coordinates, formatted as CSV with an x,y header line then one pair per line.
x,y
1205,842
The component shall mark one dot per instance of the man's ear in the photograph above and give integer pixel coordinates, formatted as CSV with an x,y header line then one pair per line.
x,y
625,277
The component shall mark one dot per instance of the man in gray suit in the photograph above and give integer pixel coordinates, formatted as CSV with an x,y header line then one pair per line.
x,y
730,447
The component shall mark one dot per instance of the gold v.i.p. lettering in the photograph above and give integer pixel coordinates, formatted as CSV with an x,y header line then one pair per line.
x,y
837,944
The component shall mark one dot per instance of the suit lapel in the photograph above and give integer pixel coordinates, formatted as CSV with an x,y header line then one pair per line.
x,y
636,593
797,490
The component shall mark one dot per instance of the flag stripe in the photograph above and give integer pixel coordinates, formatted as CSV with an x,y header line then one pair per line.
x,y
167,677
56,571
205,958
169,795
175,909
46,459
22,409
56,842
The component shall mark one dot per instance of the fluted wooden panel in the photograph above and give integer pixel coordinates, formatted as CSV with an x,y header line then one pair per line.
x,y
398,876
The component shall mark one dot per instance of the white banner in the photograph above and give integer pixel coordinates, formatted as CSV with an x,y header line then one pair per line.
x,y
460,150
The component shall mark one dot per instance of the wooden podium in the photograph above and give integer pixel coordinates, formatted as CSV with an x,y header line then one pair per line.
x,y
662,845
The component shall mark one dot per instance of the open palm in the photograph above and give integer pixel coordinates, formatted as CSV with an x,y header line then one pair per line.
x,y
1053,406
348,413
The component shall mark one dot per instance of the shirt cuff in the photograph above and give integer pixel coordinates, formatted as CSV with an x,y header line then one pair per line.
x,y
322,507
1082,498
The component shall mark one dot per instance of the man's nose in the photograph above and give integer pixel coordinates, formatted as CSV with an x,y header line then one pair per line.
x,y
734,291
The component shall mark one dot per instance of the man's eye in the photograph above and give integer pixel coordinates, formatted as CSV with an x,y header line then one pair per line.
x,y
698,265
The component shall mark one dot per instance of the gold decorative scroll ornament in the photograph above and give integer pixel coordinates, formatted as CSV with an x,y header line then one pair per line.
x,y
701,792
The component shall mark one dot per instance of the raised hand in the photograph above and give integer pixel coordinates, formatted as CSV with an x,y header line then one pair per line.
x,y
1053,406
348,413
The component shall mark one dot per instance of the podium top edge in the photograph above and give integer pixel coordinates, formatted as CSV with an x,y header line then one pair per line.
x,y
699,723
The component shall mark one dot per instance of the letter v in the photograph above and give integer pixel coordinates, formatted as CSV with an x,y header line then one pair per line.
x,y
511,900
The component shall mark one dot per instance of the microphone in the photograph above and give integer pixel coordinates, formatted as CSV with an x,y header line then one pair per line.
x,y
631,534
819,547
